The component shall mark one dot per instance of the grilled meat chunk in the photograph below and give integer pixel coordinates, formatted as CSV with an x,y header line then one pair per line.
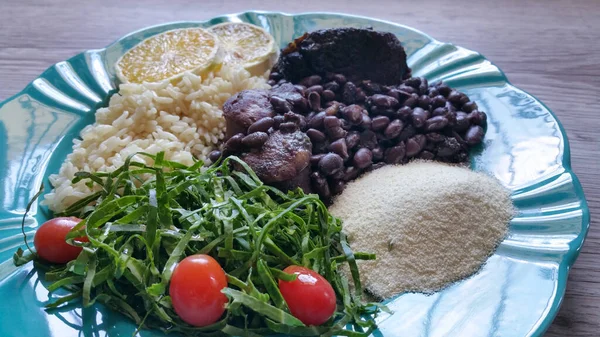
x,y
359,54
245,108
283,161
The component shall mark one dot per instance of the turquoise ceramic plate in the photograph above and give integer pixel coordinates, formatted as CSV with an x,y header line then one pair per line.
x,y
516,294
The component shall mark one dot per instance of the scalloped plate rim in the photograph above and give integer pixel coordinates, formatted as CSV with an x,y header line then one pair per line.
x,y
571,256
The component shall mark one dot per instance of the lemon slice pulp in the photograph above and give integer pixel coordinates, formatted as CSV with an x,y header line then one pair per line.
x,y
247,45
168,55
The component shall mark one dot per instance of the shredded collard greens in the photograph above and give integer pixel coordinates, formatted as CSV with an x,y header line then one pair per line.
x,y
145,219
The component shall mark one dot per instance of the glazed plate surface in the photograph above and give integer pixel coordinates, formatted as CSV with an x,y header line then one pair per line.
x,y
516,294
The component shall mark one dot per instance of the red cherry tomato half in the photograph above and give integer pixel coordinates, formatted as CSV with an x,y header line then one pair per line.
x,y
310,297
49,240
195,290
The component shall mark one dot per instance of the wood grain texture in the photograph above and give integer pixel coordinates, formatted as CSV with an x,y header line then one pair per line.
x,y
549,48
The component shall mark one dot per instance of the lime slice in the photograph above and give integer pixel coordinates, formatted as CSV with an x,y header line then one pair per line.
x,y
247,45
168,55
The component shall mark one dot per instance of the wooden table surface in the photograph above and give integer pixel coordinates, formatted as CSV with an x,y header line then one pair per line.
x,y
549,48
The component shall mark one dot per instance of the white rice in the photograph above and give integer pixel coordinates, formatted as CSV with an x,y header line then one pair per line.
x,y
184,120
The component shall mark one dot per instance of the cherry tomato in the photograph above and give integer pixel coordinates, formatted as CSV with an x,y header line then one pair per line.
x,y
195,290
310,297
49,240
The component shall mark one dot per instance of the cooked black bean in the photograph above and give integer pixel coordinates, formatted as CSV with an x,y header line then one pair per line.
x,y
331,163
469,106
448,147
337,186
288,127
474,135
404,113
280,105
439,111
234,143
457,98
277,120
438,102
315,135
451,117
432,92
450,107
346,125
395,154
436,123
319,183
414,82
443,89
423,89
349,93
384,101
393,129
301,105
339,78
336,133
255,140
333,109
315,88
261,125
379,123
414,145
213,156
339,147
311,80
316,158
426,155
407,132
314,101
301,89
477,117
317,121
462,122
333,86
366,122
368,139
362,158
407,89
360,95
271,82
419,116
353,113
371,87
352,139
412,101
377,153
350,173
331,122
464,99
275,76
295,118
339,175
435,137
328,95
424,102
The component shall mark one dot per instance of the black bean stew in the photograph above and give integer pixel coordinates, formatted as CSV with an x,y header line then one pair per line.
x,y
323,130
353,127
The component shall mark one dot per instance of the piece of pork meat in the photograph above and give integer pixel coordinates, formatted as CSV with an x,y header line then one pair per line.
x,y
283,161
245,108
359,54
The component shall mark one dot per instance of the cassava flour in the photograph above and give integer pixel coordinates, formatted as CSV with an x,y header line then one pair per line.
x,y
430,224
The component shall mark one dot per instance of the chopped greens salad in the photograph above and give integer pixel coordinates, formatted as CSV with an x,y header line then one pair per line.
x,y
144,219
